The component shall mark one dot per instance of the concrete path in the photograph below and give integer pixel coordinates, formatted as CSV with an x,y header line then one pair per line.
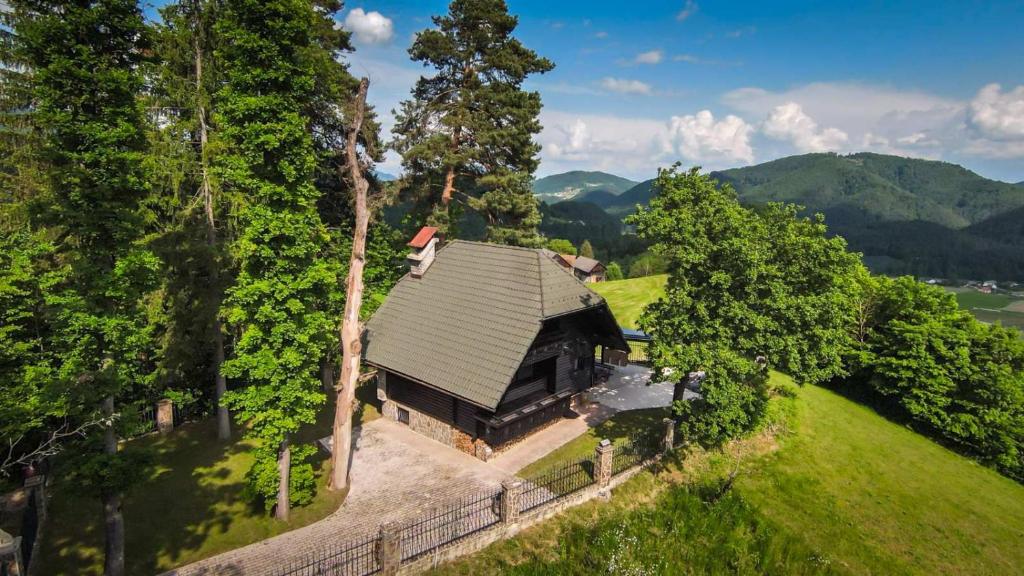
x,y
396,474
630,388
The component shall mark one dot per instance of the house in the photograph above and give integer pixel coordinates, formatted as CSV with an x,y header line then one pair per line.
x,y
586,269
481,344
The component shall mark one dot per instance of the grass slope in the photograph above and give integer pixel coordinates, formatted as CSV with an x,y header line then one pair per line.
x,y
879,498
627,298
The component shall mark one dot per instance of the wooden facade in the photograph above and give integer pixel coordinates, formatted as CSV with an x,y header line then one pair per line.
x,y
558,366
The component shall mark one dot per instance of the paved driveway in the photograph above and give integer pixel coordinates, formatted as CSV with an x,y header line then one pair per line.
x,y
396,473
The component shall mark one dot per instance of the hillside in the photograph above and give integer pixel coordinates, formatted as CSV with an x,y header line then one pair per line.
x,y
569,185
880,187
842,490
578,221
907,216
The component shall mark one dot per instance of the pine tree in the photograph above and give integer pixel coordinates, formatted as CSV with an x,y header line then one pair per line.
x,y
269,161
85,62
467,132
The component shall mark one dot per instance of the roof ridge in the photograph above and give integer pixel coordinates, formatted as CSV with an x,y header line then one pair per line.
x,y
493,245
540,280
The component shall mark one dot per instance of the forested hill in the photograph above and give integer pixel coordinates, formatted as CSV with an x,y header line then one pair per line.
x,y
570,185
879,187
908,216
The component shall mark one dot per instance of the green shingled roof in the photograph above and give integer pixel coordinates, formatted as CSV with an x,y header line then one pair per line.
x,y
466,325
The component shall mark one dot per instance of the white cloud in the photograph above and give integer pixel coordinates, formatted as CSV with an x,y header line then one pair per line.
x,y
789,122
625,86
630,146
369,27
700,138
998,115
651,57
601,35
689,9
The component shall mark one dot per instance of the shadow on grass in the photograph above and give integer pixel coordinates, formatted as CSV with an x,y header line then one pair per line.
x,y
190,505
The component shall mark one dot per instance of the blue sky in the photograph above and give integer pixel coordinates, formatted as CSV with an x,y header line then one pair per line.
x,y
643,84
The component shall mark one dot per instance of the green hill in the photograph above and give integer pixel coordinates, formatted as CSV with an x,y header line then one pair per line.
x,y
907,216
578,221
882,188
569,185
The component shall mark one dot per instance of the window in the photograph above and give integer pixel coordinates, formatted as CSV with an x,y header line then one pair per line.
x,y
403,415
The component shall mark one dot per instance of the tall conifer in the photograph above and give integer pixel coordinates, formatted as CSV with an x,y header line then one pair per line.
x,y
467,132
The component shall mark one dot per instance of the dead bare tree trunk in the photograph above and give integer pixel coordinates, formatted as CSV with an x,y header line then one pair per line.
x,y
351,345
113,519
220,385
284,466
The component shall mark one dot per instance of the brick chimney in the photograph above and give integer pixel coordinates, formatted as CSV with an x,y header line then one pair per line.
x,y
423,246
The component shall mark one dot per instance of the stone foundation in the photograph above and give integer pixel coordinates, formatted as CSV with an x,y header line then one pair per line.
x,y
427,425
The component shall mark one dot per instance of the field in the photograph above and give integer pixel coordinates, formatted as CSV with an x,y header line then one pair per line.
x,y
628,297
841,490
1004,308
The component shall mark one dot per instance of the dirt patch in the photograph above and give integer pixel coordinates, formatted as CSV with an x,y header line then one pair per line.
x,y
1017,306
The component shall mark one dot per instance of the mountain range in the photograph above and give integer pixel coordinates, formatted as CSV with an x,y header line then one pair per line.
x,y
906,215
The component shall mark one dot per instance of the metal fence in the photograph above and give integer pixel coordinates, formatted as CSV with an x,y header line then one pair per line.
x,y
561,481
638,351
637,448
358,558
457,520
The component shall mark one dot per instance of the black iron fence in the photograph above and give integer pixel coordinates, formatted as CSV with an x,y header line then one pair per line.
x,y
457,520
560,481
639,447
356,558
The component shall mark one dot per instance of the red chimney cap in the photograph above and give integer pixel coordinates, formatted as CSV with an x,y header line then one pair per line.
x,y
422,238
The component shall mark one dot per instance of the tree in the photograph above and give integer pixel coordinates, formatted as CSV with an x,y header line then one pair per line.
x,y
351,332
930,361
185,85
267,56
85,72
561,246
586,250
614,271
742,284
467,132
646,264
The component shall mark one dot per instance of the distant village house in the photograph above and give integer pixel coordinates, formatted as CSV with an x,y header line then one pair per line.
x,y
585,269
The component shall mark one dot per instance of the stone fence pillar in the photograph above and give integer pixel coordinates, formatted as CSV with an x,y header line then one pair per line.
x,y
603,472
389,548
669,439
165,416
511,494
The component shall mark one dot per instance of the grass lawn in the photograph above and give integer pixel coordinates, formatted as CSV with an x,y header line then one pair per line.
x,y
627,298
845,492
992,308
187,507
617,429
975,299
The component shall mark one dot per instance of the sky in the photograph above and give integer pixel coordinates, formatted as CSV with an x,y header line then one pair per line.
x,y
641,85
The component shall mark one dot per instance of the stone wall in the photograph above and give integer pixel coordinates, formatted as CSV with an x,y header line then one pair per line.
x,y
428,426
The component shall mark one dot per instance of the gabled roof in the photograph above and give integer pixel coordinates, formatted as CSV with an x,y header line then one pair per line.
x,y
585,265
467,324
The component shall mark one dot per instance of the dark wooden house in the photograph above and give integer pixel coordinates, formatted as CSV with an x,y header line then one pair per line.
x,y
485,343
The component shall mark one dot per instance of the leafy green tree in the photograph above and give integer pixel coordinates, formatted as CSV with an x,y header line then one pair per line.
x,y
467,132
646,264
743,286
561,246
85,63
951,375
266,51
586,250
614,271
